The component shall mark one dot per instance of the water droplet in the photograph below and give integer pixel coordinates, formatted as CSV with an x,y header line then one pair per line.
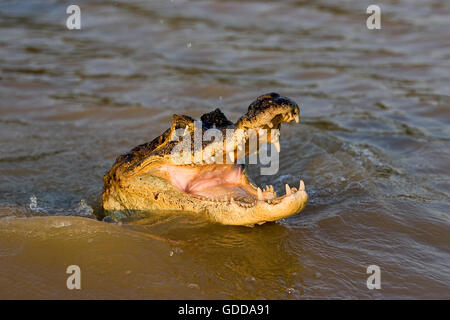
x,y
178,250
61,224
193,286
189,45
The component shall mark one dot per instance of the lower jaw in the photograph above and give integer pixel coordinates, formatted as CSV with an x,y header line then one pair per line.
x,y
137,203
233,213
236,202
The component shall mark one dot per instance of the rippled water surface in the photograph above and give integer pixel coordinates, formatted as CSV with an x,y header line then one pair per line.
x,y
373,146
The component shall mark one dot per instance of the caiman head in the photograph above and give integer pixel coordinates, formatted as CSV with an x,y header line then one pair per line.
x,y
210,182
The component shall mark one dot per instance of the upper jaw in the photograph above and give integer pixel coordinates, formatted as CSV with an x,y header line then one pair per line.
x,y
269,110
263,118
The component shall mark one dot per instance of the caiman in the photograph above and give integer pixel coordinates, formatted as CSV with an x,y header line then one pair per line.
x,y
149,179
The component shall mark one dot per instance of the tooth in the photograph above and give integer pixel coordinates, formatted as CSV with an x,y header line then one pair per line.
x,y
186,130
301,186
271,188
277,145
270,125
297,118
231,155
239,147
288,190
260,195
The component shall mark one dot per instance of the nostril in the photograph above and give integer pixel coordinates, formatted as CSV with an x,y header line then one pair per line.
x,y
274,95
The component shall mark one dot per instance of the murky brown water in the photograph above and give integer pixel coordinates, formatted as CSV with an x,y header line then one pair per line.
x,y
373,146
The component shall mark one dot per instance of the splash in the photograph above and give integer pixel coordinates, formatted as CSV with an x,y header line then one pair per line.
x,y
34,204
83,209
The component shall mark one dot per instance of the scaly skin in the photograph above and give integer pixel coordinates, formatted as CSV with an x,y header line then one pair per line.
x,y
143,179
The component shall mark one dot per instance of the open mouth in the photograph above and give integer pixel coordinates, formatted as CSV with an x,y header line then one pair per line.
x,y
195,166
229,182
224,183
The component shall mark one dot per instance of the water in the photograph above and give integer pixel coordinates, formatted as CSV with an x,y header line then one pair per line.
x,y
373,146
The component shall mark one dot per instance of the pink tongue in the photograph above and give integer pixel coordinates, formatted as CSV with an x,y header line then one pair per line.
x,y
215,182
211,182
220,191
